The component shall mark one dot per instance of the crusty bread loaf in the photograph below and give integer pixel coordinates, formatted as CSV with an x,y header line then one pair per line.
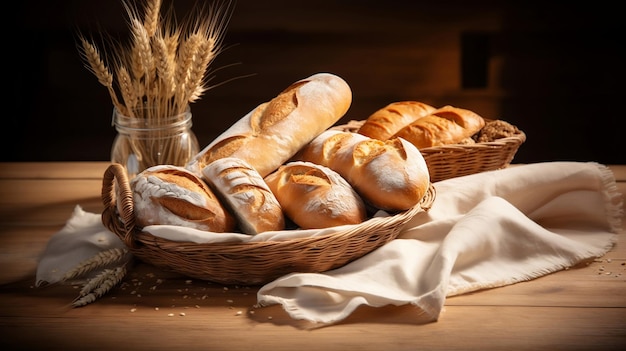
x,y
273,132
173,195
447,125
390,175
387,121
245,193
314,196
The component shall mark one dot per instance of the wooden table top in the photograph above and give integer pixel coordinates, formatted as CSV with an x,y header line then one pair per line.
x,y
581,308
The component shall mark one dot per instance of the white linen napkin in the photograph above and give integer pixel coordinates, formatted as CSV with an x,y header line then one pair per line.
x,y
82,237
483,231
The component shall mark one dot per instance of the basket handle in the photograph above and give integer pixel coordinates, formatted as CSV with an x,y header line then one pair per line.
x,y
117,197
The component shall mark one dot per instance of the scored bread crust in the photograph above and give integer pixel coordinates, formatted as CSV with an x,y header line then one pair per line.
x,y
274,131
390,175
387,121
173,195
246,194
314,196
445,126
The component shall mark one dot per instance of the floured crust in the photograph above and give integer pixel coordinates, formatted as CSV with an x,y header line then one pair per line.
x,y
314,196
390,175
276,110
281,126
246,194
175,196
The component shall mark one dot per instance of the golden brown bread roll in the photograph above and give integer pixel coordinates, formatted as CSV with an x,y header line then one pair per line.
x,y
173,195
246,194
389,175
273,132
314,196
387,121
447,125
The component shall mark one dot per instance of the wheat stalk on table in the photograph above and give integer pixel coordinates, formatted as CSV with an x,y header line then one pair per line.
x,y
100,285
112,265
101,259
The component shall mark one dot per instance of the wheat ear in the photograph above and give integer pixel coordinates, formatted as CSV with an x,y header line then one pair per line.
x,y
165,68
99,285
171,39
186,53
204,56
99,68
143,52
101,259
151,19
209,33
127,89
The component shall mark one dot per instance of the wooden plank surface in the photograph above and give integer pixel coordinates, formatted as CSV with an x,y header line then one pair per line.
x,y
578,309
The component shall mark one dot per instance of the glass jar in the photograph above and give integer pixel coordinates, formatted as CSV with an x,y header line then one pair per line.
x,y
147,140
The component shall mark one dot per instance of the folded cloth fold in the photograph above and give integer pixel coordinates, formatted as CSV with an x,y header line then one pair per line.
x,y
483,231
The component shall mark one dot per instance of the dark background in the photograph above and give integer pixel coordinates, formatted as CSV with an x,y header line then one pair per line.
x,y
554,69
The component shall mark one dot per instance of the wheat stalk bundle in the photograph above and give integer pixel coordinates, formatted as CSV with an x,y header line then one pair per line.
x,y
164,67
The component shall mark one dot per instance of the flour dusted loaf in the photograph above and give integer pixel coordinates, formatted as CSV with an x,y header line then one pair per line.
x,y
242,189
446,125
274,131
390,175
387,121
314,196
175,196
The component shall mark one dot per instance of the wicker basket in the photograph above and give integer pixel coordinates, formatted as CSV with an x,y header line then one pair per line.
x,y
451,161
245,263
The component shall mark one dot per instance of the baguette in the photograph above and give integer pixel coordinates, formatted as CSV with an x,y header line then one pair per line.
x,y
314,196
390,175
447,125
274,131
246,194
387,121
173,195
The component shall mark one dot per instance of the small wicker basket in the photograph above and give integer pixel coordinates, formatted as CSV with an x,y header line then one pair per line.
x,y
245,263
450,161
